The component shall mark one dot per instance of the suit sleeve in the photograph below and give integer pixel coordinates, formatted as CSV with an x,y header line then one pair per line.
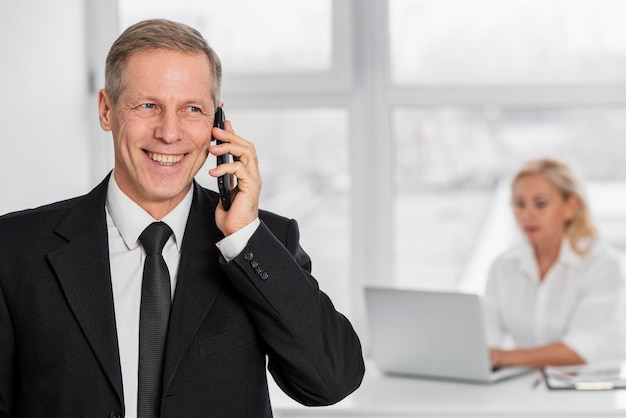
x,y
7,350
314,353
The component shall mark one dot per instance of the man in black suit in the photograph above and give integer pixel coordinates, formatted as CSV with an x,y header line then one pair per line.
x,y
242,295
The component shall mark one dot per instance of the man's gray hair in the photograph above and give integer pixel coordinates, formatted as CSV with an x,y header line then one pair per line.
x,y
156,34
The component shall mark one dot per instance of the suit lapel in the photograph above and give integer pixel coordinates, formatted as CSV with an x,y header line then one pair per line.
x,y
82,267
198,283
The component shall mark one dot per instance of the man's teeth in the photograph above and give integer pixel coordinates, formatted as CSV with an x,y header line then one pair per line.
x,y
165,159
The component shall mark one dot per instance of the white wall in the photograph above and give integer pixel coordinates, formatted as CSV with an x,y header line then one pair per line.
x,y
45,111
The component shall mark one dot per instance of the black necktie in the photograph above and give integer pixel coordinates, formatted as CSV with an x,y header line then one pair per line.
x,y
153,319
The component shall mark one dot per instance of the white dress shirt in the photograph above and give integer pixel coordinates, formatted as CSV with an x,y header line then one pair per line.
x,y
125,222
576,303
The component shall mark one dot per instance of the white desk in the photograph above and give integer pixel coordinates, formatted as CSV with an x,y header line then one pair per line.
x,y
383,396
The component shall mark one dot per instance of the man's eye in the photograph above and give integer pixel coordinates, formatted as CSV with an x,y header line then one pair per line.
x,y
147,110
144,107
193,113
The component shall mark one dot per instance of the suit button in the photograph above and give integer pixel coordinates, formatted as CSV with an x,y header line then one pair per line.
x,y
264,275
254,264
114,415
249,256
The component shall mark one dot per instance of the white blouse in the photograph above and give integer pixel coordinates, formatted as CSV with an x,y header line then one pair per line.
x,y
576,303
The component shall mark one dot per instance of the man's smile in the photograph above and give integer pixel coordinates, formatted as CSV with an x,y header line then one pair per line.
x,y
165,159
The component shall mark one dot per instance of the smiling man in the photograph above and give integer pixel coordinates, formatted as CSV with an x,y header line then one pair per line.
x,y
145,298
161,124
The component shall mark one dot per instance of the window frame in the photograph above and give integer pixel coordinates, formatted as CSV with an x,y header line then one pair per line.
x,y
359,80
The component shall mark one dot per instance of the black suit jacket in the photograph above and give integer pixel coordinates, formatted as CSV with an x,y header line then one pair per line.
x,y
58,343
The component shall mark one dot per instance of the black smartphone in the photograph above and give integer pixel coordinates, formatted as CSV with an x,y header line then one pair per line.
x,y
223,182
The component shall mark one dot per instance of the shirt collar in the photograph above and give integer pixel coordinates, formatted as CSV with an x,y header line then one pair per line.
x,y
526,256
131,219
568,256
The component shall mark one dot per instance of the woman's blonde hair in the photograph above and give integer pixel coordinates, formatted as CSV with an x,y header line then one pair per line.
x,y
563,178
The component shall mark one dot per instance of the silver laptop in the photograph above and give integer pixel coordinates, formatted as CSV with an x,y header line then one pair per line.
x,y
430,334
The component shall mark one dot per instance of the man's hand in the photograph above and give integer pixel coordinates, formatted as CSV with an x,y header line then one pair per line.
x,y
245,167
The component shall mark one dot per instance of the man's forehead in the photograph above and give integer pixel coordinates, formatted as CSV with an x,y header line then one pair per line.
x,y
164,54
150,70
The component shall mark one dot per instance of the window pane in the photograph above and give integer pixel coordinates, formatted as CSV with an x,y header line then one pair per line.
x,y
303,158
450,162
258,36
507,42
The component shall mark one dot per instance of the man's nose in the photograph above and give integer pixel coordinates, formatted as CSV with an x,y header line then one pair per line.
x,y
168,128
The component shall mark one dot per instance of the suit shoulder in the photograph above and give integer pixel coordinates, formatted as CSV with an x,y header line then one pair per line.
x,y
44,210
35,219
281,226
272,219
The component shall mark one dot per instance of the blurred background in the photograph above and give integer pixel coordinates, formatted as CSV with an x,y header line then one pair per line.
x,y
388,128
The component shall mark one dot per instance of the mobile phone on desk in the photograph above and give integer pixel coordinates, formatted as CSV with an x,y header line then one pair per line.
x,y
223,182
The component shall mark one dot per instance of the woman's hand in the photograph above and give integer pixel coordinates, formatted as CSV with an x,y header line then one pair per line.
x,y
496,356
555,354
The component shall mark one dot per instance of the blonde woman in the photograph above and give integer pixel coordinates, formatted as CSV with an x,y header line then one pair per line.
x,y
556,293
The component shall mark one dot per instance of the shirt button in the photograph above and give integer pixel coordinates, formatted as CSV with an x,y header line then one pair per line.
x,y
249,256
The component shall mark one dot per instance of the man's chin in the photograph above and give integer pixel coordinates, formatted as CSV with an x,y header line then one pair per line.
x,y
166,193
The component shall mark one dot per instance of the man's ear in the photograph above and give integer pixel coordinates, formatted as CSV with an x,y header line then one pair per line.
x,y
104,110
